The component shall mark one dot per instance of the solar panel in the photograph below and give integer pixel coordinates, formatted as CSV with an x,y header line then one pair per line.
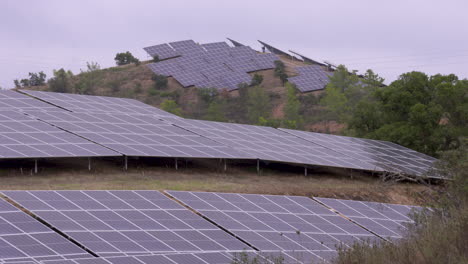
x,y
276,223
184,258
273,49
24,137
271,144
213,65
186,47
385,220
386,155
98,104
12,100
216,46
311,78
235,43
163,51
23,239
139,135
121,223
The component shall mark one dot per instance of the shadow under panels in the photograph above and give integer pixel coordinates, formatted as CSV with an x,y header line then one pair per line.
x,y
389,156
23,238
126,223
139,135
270,144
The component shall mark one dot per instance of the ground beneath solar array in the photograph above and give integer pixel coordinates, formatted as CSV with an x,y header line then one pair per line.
x,y
206,177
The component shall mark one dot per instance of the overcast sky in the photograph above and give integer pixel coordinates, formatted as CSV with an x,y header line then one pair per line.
x,y
388,36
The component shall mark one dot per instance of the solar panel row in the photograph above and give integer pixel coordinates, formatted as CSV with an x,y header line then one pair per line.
x,y
67,125
211,65
145,226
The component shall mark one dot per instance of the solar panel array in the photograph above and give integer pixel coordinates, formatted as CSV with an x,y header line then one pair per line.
x,y
235,43
139,135
311,78
385,220
163,51
12,100
271,144
125,223
126,227
277,223
211,65
96,104
204,258
24,137
389,156
22,238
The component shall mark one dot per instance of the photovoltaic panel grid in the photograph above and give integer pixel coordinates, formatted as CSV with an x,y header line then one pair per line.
x,y
125,223
97,104
266,143
385,220
12,100
21,136
139,135
23,238
277,223
389,156
311,78
212,65
163,51
287,257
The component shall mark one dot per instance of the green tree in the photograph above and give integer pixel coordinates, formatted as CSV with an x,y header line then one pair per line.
x,y
37,79
258,104
171,106
292,108
89,79
216,111
280,71
60,83
125,58
160,81
207,95
256,80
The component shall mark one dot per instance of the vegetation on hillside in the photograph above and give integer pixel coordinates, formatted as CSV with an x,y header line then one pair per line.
x,y
427,114
125,58
439,235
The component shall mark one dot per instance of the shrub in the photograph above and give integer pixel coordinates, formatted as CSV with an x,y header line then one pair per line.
x,y
160,81
256,80
125,58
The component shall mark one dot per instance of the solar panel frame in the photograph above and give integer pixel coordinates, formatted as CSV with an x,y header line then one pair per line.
x,y
13,100
22,136
274,222
386,155
311,78
389,221
140,135
266,143
98,104
125,223
163,51
23,238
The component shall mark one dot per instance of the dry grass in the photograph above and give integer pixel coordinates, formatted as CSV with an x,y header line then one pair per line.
x,y
207,177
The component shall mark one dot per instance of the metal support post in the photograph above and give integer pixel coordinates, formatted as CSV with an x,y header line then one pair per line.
x,y
258,165
305,170
89,163
225,165
126,162
176,164
35,166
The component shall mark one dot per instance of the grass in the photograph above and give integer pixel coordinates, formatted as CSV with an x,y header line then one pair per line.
x,y
208,177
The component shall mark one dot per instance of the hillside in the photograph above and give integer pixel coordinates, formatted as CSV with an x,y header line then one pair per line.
x,y
136,81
